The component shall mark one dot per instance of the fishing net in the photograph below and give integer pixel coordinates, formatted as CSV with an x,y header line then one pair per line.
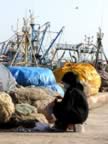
x,y
87,74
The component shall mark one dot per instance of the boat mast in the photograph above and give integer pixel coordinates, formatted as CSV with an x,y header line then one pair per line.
x,y
25,30
100,50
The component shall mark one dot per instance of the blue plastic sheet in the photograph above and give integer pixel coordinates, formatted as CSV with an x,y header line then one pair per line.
x,y
37,76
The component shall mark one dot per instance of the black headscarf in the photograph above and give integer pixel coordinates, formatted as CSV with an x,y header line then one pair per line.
x,y
73,80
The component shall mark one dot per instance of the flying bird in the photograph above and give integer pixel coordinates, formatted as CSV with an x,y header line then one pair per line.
x,y
76,7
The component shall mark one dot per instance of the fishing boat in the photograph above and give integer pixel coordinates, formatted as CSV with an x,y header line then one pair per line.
x,y
30,46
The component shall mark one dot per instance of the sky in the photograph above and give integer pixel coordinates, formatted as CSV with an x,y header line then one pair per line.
x,y
80,17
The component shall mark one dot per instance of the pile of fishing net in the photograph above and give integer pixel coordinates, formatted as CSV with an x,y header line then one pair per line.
x,y
41,98
34,101
7,107
26,104
88,76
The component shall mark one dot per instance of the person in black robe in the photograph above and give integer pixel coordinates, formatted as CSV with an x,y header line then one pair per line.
x,y
73,108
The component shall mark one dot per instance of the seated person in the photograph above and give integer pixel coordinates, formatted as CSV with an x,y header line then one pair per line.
x,y
73,108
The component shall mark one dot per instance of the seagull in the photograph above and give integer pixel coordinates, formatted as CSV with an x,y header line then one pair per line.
x,y
76,7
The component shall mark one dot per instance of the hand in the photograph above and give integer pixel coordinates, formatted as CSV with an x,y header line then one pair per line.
x,y
59,97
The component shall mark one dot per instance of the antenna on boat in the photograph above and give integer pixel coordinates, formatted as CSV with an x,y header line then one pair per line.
x,y
102,14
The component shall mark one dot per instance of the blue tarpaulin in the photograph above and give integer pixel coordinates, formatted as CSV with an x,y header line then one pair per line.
x,y
37,76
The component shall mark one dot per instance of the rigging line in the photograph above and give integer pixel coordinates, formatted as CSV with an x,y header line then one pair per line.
x,y
61,56
8,39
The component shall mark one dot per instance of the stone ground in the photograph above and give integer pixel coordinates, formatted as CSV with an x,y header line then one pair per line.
x,y
96,132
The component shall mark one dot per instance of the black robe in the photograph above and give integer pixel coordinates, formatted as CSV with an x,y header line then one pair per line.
x,y
73,109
